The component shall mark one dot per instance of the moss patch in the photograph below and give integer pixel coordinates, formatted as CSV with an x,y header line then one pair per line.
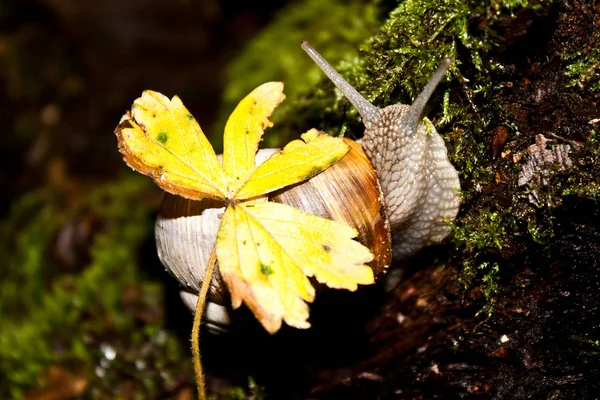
x,y
95,322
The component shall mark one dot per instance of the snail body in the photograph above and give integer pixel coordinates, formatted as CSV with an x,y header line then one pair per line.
x,y
396,187
419,183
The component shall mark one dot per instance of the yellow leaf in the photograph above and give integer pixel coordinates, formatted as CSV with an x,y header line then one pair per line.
x,y
298,161
267,250
244,130
161,139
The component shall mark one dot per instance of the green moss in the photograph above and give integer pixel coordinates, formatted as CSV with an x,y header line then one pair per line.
x,y
484,231
55,316
396,63
584,66
590,347
253,391
22,353
586,183
489,279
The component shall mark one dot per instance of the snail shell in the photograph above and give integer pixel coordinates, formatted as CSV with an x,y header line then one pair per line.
x,y
348,192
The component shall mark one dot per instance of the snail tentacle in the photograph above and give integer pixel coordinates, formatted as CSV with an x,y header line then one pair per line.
x,y
367,110
417,109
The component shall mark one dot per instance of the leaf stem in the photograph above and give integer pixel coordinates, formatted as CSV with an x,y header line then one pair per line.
x,y
208,275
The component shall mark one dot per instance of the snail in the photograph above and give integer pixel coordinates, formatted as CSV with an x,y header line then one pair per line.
x,y
395,186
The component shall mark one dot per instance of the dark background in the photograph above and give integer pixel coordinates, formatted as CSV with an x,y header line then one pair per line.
x,y
70,69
